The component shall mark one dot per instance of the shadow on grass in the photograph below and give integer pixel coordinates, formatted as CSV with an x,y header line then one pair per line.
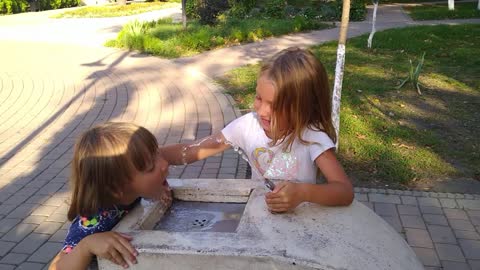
x,y
397,136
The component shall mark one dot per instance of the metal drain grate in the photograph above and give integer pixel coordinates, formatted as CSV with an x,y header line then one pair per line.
x,y
200,222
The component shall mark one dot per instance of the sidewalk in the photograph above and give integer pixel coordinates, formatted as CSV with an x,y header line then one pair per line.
x,y
93,32
388,16
55,83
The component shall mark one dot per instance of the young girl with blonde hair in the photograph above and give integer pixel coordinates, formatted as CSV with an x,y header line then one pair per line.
x,y
289,136
114,164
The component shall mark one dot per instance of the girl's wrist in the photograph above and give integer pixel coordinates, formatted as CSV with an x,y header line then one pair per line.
x,y
85,244
304,192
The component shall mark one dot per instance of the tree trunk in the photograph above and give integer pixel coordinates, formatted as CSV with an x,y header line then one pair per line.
x,y
478,6
184,14
337,88
370,38
451,4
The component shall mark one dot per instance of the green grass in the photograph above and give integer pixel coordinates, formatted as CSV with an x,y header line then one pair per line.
x,y
167,39
441,12
396,136
114,10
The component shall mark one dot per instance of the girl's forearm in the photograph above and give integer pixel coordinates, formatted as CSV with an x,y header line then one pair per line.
x,y
78,259
173,153
330,194
182,153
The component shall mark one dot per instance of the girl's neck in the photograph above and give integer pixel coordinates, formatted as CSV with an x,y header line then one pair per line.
x,y
268,134
127,198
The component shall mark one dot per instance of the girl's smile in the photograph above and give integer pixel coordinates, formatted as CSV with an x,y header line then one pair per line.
x,y
265,123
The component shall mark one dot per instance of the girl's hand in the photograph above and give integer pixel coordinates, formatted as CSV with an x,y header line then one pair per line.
x,y
286,196
113,246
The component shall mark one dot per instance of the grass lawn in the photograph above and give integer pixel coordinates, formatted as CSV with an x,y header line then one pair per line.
x,y
167,39
397,137
115,10
440,11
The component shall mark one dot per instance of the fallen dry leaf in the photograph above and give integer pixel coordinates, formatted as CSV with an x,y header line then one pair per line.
x,y
361,136
401,145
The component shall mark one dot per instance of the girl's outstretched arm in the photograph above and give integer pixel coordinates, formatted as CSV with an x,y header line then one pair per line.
x,y
338,191
112,246
185,153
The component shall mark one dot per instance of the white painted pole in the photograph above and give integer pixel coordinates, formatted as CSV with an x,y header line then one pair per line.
x,y
184,14
370,38
337,87
451,4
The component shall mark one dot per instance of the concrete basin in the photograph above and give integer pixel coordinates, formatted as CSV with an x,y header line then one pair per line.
x,y
311,237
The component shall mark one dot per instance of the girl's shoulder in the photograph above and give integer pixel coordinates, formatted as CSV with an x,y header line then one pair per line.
x,y
250,117
245,123
316,136
102,221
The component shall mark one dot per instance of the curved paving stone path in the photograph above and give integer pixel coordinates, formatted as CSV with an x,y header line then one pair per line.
x,y
52,91
47,103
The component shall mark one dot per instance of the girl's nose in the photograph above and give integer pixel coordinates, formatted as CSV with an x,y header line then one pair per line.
x,y
264,110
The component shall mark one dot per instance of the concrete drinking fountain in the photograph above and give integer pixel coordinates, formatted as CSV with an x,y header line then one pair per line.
x,y
225,224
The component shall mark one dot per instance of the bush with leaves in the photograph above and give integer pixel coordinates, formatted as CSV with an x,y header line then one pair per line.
x,y
56,4
13,6
358,9
240,8
210,9
328,13
191,9
275,9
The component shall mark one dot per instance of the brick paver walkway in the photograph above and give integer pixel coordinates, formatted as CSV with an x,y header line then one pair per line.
x,y
51,91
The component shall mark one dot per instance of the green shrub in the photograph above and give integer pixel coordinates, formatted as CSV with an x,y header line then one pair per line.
x,y
241,8
275,9
132,35
13,6
254,13
191,9
210,9
206,10
328,12
290,11
358,9
170,40
309,12
56,4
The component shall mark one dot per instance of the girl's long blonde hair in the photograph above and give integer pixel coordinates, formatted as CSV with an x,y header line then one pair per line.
x,y
302,96
105,159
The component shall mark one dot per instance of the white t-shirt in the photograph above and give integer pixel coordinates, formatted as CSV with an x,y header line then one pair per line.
x,y
298,164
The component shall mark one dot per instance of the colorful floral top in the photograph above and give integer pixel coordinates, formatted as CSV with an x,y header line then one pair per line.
x,y
103,221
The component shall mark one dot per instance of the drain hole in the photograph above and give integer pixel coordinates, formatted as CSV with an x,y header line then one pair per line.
x,y
200,222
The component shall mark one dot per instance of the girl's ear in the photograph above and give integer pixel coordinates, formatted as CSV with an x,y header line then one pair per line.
x,y
118,195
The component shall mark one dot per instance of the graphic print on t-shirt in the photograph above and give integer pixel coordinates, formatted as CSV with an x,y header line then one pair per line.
x,y
262,157
283,165
82,226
